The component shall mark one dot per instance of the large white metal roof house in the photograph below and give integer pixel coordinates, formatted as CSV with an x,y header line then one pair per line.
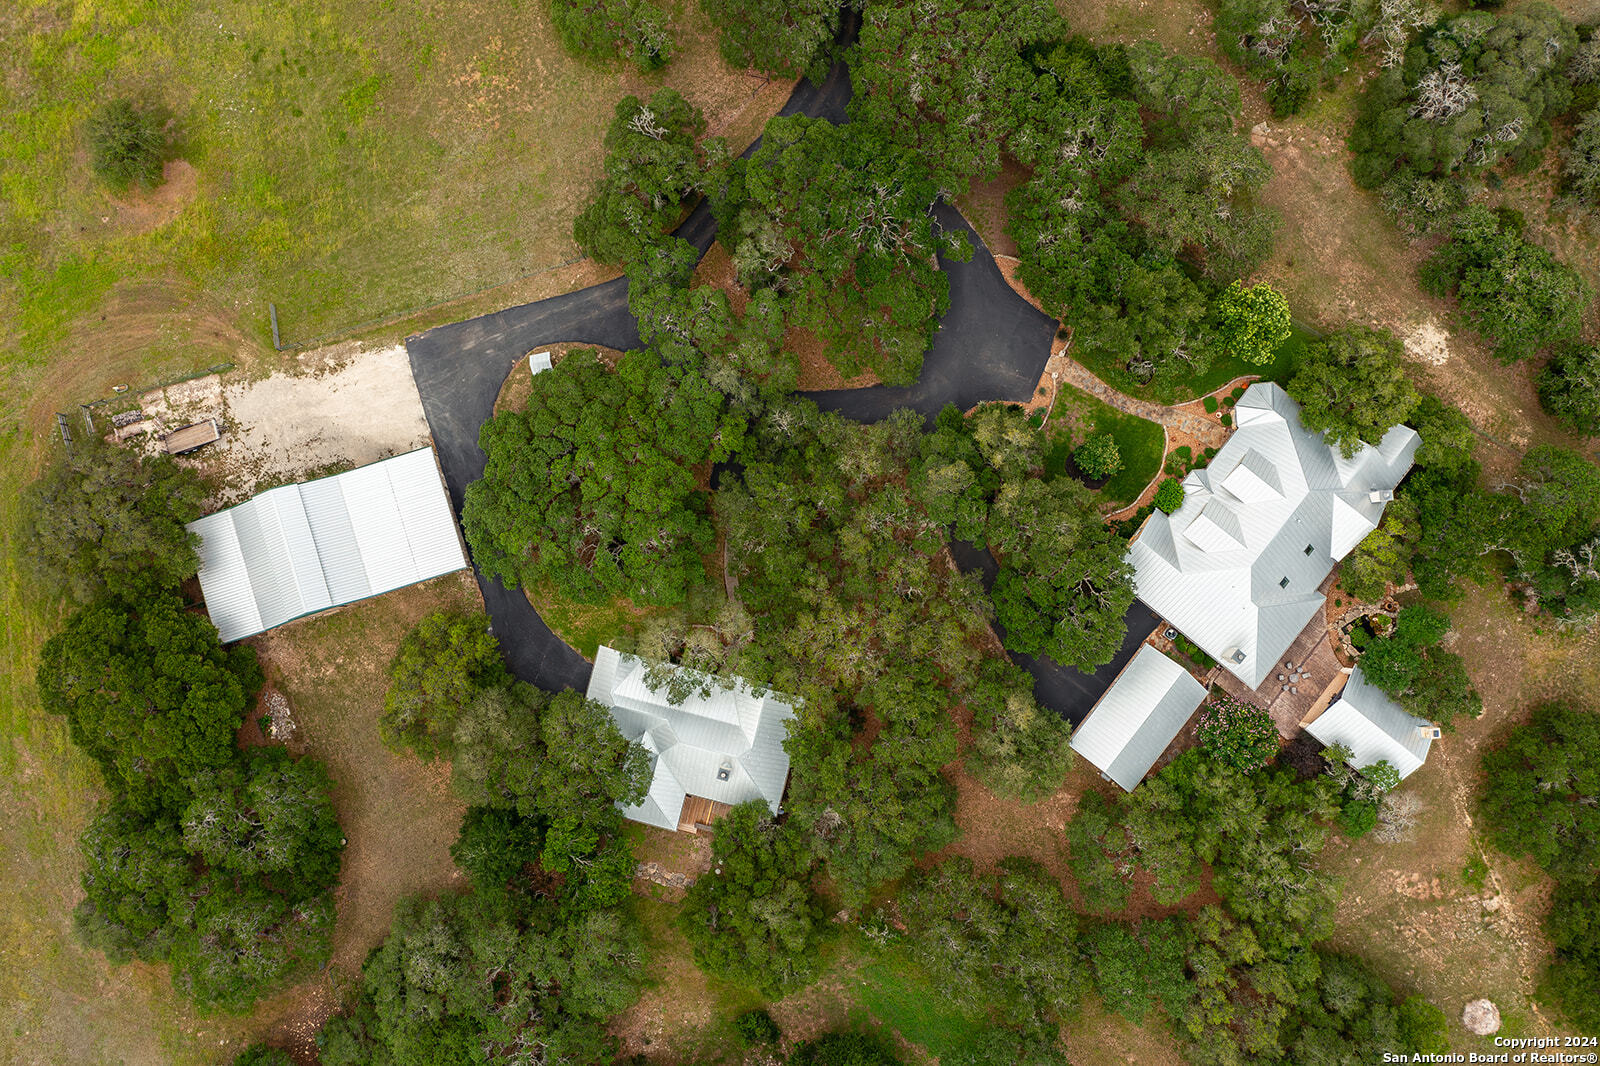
x,y
1374,727
1145,707
299,549
721,744
1236,568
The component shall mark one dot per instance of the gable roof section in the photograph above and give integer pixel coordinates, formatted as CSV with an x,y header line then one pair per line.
x,y
1237,567
1373,727
722,727
299,549
1145,707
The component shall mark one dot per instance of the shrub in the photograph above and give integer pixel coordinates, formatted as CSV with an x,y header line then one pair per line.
x,y
1227,420
1237,733
1357,818
843,1049
1098,457
125,145
441,665
262,1055
1169,496
757,1027
1424,1030
1210,404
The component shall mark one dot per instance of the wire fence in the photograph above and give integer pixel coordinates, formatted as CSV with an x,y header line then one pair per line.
x,y
87,408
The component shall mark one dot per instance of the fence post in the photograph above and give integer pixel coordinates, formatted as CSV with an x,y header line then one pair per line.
x,y
272,309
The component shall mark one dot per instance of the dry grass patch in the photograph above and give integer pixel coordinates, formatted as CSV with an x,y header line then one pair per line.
x,y
1414,909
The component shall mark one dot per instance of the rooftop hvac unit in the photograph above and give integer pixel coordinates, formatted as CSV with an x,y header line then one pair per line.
x,y
1381,496
1235,656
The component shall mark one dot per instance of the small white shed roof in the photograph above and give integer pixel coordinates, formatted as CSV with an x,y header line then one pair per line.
x,y
1374,727
1145,707
299,549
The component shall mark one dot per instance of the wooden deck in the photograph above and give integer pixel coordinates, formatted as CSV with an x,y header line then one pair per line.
x,y
700,813
192,436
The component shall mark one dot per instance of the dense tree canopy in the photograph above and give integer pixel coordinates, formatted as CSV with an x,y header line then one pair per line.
x,y
1541,793
1512,291
149,694
541,754
1063,586
1019,749
235,892
1472,90
442,664
655,160
837,221
1136,167
103,520
754,919
946,81
1352,387
1423,677
1251,321
1569,387
591,489
611,29
782,37
1004,945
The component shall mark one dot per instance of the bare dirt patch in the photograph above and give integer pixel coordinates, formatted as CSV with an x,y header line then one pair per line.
x,y
344,407
141,211
398,813
1408,907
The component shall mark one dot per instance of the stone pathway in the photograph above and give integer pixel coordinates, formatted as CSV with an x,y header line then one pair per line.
x,y
1188,419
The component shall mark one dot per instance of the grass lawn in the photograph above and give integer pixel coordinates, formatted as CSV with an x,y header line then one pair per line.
x,y
1223,369
1075,416
343,159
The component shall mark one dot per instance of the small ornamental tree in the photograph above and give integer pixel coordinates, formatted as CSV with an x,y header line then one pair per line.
x,y
1237,733
1251,322
125,145
1098,457
1169,496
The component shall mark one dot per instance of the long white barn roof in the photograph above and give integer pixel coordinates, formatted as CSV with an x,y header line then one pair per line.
x,y
299,549
717,728
1236,568
1373,727
1145,707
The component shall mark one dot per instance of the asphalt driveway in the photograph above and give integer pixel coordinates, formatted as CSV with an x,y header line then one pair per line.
x,y
992,345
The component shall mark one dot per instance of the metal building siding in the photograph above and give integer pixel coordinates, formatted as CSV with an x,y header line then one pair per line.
x,y
337,546
731,726
1226,597
1145,707
304,548
1373,726
225,579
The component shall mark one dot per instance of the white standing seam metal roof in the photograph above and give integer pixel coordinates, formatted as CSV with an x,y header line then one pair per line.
x,y
1145,707
1374,727
299,549
720,727
1236,568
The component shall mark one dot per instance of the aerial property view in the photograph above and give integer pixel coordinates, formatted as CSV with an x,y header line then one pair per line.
x,y
963,533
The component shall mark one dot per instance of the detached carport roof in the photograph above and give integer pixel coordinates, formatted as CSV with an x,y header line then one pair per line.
x,y
299,549
1145,707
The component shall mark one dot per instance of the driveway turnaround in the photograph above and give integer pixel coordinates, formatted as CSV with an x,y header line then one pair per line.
x,y
992,345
